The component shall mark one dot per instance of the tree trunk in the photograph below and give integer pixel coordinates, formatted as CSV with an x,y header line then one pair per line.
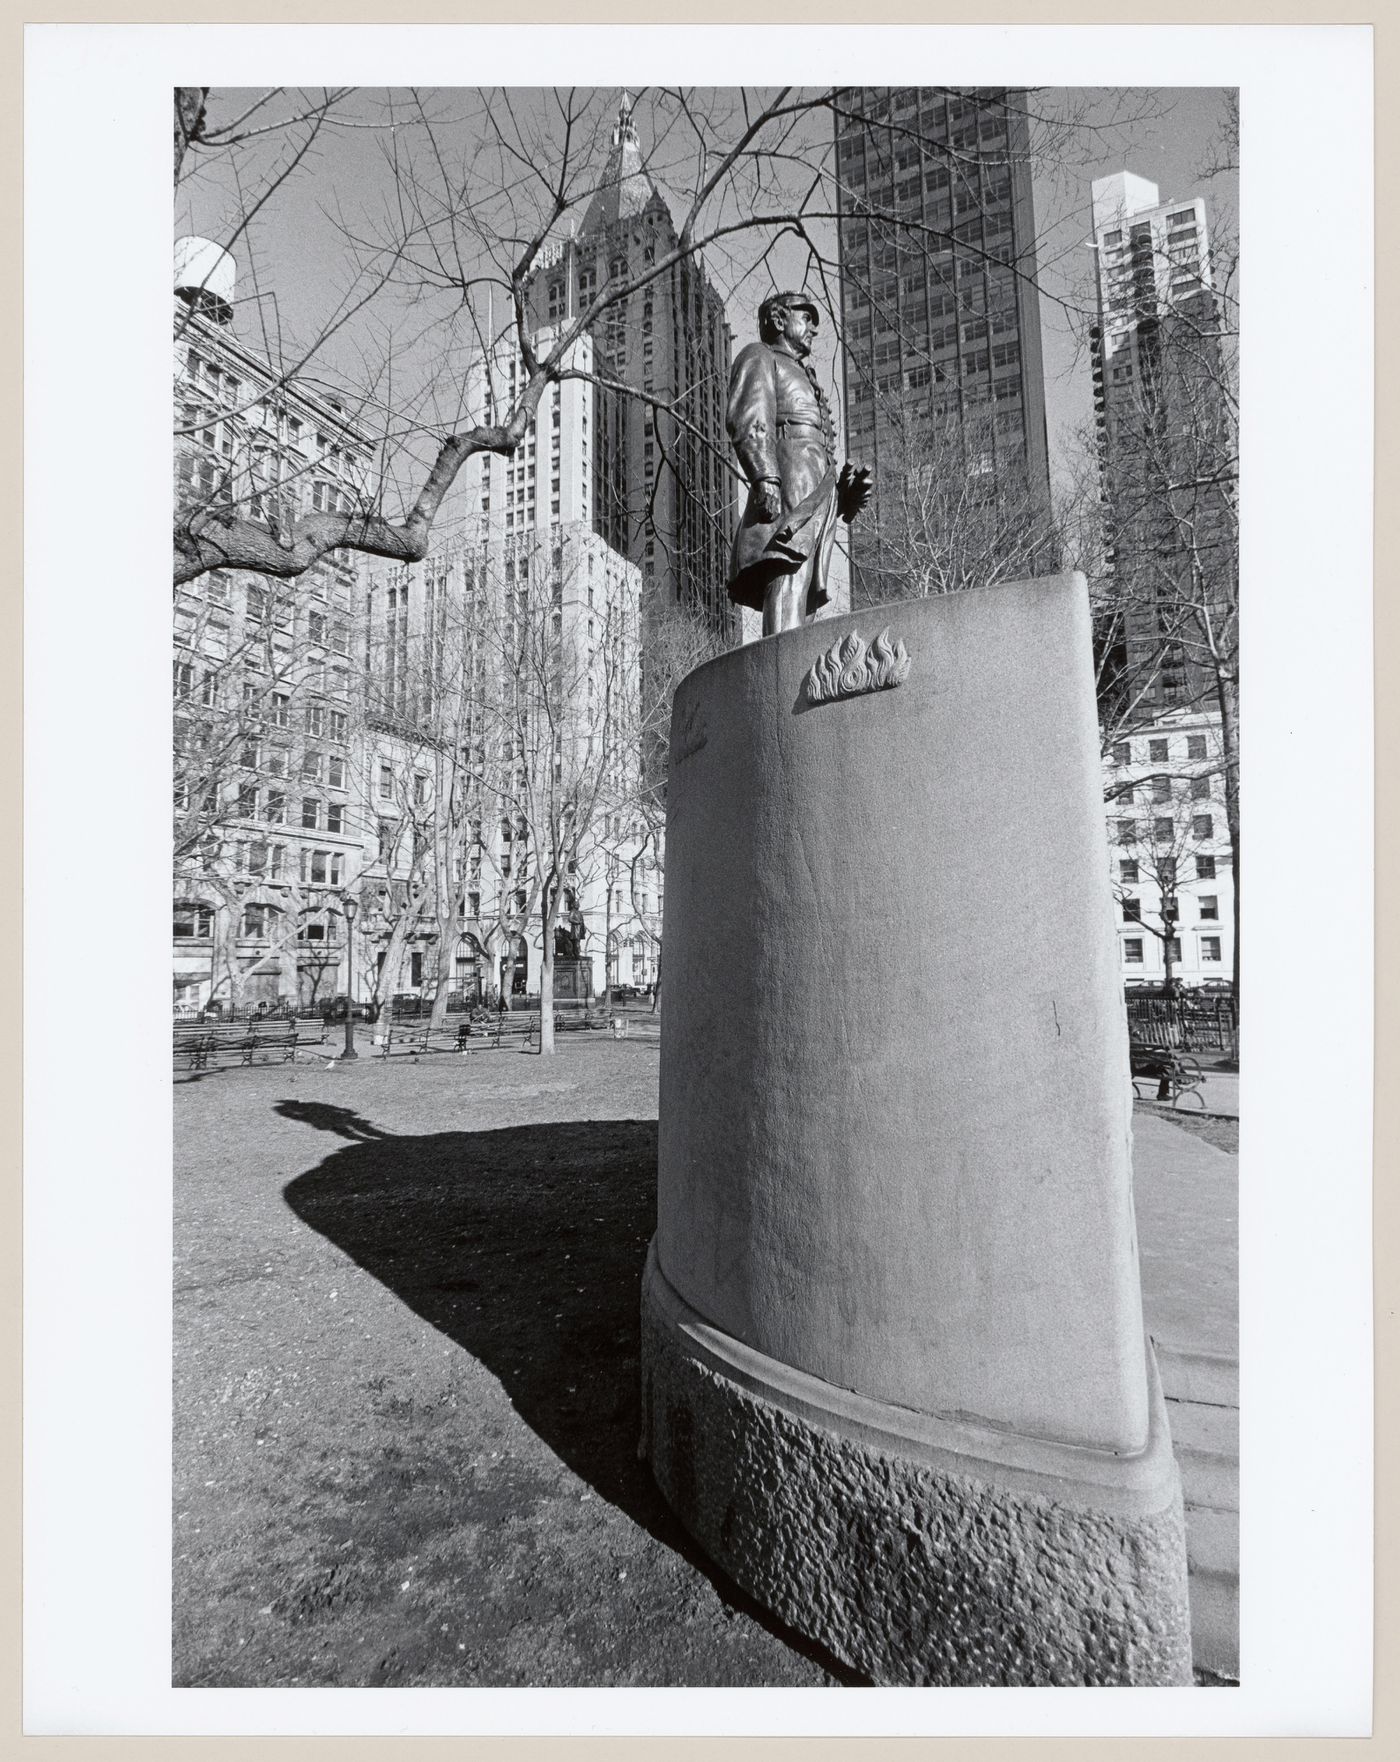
x,y
393,965
449,934
550,914
189,119
607,943
1227,694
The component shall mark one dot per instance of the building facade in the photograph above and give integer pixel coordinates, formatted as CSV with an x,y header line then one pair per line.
x,y
502,690
266,831
1173,878
1167,456
939,302
664,492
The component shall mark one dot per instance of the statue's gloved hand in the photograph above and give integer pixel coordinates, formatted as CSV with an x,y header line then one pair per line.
x,y
853,490
766,499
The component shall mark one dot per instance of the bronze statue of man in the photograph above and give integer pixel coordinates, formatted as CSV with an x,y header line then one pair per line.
x,y
781,428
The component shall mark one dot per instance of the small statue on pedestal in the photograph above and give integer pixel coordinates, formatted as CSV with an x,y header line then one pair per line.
x,y
781,428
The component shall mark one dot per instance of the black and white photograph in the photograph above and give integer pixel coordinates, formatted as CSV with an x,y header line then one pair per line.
x,y
706,779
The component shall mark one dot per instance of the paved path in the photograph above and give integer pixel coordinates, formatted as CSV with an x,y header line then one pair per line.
x,y
1187,1200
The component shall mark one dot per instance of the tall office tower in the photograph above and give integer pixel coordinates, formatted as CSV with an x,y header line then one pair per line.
x,y
665,495
502,679
265,826
940,315
1166,456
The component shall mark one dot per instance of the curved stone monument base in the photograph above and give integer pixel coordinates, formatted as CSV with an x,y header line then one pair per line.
x,y
919,1550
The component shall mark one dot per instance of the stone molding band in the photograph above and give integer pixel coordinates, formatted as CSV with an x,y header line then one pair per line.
x,y
912,1562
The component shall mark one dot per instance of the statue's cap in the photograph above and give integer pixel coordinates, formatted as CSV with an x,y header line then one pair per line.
x,y
790,302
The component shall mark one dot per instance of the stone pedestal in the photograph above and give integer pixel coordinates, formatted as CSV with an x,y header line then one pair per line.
x,y
895,1375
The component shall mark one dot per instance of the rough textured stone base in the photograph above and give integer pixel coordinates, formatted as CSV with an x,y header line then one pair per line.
x,y
917,1550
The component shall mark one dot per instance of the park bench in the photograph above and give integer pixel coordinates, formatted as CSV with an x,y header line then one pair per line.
x,y
205,1045
1176,1074
392,1037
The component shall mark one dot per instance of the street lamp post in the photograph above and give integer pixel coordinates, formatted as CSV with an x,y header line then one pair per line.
x,y
349,907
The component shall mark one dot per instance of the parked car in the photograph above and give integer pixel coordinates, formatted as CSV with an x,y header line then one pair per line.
x,y
334,1009
407,1006
274,1009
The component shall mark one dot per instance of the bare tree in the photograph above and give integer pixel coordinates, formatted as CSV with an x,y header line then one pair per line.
x,y
947,520
481,187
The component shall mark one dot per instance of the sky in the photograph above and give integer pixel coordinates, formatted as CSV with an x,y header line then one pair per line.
x,y
294,254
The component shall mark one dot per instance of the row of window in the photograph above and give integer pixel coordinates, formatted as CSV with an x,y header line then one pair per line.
x,y
1133,947
1159,751
271,806
1208,905
1163,789
1164,870
1163,831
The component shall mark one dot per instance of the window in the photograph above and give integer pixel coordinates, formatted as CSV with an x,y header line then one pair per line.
x,y
316,720
337,724
1210,906
1205,868
311,765
275,812
1123,753
193,921
255,921
335,772
420,788
1126,796
1127,832
281,708
316,627
1132,911
1157,752
1162,831
386,783
247,801
1210,948
1132,950
335,816
310,813
1200,789
1195,746
1128,870
1161,789
1203,826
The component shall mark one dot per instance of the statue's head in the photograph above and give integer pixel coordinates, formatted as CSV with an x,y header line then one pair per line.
x,y
792,318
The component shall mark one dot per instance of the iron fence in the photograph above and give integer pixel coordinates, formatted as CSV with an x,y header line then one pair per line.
x,y
1187,1024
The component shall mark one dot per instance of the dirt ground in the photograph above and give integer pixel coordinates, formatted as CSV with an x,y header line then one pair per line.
x,y
406,1385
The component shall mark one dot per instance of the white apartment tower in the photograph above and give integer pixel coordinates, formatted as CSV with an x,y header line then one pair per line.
x,y
1156,378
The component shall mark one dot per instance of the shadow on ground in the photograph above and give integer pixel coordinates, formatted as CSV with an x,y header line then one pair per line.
x,y
525,1247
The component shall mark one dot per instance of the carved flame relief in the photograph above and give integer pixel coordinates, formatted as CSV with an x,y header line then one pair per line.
x,y
849,667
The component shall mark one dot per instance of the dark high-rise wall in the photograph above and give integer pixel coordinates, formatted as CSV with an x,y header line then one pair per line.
x,y
940,310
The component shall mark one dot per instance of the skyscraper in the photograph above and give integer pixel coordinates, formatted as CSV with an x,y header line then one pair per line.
x,y
1165,453
664,494
940,310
